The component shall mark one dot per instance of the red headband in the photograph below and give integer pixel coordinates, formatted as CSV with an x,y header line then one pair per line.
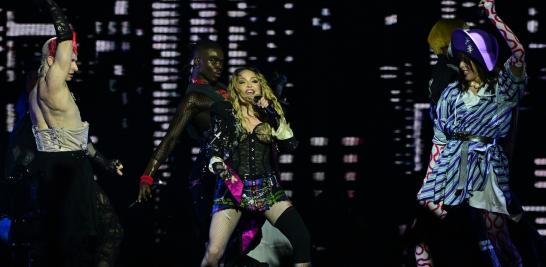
x,y
52,46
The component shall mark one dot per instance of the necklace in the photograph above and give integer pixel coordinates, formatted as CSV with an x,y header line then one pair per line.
x,y
476,85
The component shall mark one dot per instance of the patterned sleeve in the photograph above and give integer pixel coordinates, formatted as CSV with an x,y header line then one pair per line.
x,y
444,109
286,141
216,143
220,137
510,88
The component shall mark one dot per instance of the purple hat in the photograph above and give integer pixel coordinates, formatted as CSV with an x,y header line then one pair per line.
x,y
479,45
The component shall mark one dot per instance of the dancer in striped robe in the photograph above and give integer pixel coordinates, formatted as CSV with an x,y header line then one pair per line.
x,y
472,116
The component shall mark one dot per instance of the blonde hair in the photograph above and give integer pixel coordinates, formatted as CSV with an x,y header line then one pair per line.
x,y
267,92
439,36
44,67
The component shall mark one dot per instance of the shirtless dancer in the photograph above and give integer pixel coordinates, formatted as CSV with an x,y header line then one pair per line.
x,y
71,220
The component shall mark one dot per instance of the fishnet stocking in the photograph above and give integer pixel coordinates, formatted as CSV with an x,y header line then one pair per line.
x,y
497,232
221,227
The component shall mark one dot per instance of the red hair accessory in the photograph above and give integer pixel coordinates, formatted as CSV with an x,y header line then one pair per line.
x,y
52,46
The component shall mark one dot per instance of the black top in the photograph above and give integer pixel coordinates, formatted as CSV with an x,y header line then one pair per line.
x,y
253,155
193,112
250,154
200,121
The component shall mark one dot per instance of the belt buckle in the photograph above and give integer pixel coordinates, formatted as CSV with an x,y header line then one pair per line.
x,y
463,135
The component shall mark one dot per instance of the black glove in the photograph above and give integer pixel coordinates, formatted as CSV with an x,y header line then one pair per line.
x,y
269,114
105,164
62,27
220,169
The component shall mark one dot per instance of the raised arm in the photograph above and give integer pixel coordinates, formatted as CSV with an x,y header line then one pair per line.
x,y
517,60
61,48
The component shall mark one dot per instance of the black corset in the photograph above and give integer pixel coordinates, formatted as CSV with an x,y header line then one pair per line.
x,y
252,156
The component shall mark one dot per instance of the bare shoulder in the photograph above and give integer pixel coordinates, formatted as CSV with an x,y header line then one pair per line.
x,y
198,100
57,108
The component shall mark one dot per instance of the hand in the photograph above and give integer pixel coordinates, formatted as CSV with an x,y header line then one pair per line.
x,y
145,193
263,102
488,5
107,165
267,111
220,169
117,166
233,179
63,30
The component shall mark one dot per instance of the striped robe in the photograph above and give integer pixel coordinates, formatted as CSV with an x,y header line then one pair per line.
x,y
486,114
